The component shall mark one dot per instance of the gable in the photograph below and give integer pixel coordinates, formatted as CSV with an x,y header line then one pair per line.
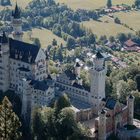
x,y
40,55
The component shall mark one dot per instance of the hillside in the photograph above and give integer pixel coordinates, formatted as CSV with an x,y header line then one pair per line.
x,y
92,4
45,36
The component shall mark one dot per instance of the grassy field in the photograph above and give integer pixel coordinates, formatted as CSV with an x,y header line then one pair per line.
x,y
45,36
92,4
21,3
105,27
132,19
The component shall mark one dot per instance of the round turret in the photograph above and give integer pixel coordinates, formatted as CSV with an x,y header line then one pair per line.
x,y
102,125
130,105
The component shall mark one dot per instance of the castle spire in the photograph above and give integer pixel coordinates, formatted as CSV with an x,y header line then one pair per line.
x,y
97,81
17,23
16,12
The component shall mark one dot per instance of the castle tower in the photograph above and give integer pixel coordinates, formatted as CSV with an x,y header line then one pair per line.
x,y
130,105
97,79
26,98
102,126
77,69
5,76
47,63
17,24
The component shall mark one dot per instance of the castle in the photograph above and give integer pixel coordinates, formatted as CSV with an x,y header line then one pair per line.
x,y
24,69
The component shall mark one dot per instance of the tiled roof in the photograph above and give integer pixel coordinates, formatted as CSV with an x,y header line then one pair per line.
x,y
26,50
39,85
130,43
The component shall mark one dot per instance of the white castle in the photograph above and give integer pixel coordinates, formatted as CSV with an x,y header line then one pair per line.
x,y
24,69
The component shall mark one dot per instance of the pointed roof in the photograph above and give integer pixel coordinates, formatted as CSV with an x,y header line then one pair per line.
x,y
77,64
49,77
103,111
131,97
99,55
4,38
16,12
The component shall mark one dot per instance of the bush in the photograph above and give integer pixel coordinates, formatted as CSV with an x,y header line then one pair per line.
x,y
117,20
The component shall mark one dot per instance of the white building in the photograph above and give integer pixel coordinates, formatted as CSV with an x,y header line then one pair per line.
x,y
24,68
71,83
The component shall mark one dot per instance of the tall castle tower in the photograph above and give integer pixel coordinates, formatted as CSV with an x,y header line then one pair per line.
x,y
97,75
102,126
5,63
17,24
130,105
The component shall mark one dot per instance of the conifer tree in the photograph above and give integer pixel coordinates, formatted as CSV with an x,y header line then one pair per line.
x,y
9,122
109,3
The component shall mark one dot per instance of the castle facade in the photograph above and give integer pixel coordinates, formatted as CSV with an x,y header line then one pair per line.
x,y
24,69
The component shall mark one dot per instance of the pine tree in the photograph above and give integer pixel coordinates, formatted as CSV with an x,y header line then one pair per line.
x,y
109,3
9,122
62,102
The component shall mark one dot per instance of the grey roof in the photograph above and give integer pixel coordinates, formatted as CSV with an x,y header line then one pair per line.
x,y
81,87
70,74
99,55
25,49
79,105
110,104
39,85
